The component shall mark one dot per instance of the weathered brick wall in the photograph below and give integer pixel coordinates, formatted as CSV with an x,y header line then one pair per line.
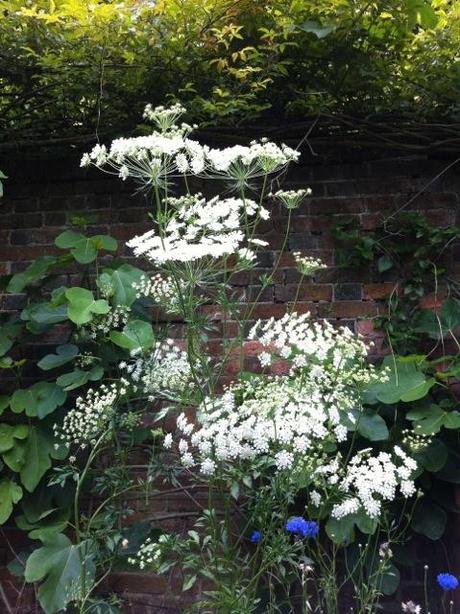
x,y
42,195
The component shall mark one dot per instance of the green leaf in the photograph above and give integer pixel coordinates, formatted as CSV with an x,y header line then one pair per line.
x,y
10,493
389,581
82,305
61,566
372,427
64,354
429,419
78,377
33,273
189,581
39,400
384,263
55,522
8,434
313,27
405,383
84,249
433,457
137,334
341,531
38,450
366,524
9,332
429,519
43,314
120,281
4,402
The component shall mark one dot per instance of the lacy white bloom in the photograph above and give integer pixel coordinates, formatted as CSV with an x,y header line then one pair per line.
x,y
308,265
198,229
369,480
161,289
91,415
291,199
305,343
168,152
162,373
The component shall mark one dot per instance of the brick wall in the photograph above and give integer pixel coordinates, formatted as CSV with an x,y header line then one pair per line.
x,y
41,195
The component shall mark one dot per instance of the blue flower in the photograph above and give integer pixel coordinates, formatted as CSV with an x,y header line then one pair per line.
x,y
256,536
301,527
447,581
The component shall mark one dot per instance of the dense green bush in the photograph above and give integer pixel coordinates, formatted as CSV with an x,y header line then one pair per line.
x,y
73,67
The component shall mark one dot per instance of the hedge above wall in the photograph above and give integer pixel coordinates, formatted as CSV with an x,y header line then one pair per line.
x,y
73,70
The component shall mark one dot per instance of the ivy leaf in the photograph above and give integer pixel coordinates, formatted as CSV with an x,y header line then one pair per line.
x,y
61,566
8,334
33,273
8,433
373,427
64,354
82,305
84,249
78,377
429,519
121,281
10,493
384,263
137,334
38,451
39,400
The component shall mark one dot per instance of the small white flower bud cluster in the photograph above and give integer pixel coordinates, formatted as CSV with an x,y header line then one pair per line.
x,y
162,290
102,325
291,199
307,265
151,554
91,415
415,442
164,372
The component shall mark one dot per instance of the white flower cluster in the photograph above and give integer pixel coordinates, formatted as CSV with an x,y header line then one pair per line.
x,y
368,480
150,553
291,199
306,344
161,289
198,229
308,265
169,152
164,372
103,324
91,415
278,418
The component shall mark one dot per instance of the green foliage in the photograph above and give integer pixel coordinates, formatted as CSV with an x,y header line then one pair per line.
x,y
79,66
64,568
35,476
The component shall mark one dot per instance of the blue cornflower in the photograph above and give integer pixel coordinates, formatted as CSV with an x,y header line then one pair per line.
x,y
301,527
256,536
447,581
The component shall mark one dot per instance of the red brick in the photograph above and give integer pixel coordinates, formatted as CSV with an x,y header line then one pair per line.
x,y
377,291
